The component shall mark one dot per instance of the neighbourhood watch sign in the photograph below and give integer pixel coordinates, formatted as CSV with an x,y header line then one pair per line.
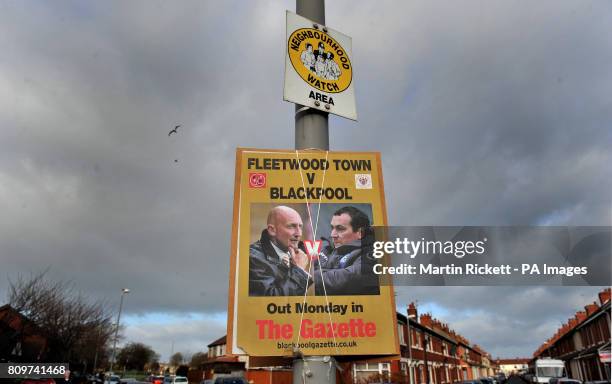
x,y
318,68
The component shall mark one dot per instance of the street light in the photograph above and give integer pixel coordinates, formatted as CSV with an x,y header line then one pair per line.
x,y
95,364
124,292
410,316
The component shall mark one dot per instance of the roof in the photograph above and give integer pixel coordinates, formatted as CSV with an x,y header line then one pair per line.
x,y
521,360
415,324
605,308
219,341
10,311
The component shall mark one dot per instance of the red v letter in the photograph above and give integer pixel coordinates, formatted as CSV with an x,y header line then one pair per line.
x,y
313,247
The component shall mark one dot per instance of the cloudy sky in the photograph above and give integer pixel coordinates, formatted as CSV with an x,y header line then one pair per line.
x,y
486,113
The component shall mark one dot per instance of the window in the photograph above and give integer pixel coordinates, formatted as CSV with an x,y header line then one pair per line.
x,y
551,371
400,334
363,371
414,336
429,344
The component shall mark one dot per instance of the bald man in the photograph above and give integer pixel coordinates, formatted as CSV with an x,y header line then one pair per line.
x,y
277,266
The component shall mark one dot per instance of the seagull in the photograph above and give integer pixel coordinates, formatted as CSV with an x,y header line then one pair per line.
x,y
174,130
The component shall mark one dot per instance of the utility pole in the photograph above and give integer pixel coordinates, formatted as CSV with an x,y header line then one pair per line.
x,y
425,347
312,131
95,364
124,292
311,125
410,316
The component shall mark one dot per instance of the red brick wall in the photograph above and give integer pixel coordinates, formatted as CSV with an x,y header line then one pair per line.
x,y
269,377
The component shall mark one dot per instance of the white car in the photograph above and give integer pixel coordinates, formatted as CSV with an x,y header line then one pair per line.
x,y
112,379
175,380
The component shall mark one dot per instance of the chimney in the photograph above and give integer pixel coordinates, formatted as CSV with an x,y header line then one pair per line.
x,y
604,296
591,308
445,328
426,320
564,329
412,311
581,316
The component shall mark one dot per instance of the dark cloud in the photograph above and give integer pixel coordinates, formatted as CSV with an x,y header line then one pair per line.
x,y
485,113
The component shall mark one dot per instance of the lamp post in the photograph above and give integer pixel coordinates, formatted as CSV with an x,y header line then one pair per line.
x,y
95,363
410,316
124,292
425,354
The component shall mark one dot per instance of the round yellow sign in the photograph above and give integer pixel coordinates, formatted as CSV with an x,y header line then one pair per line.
x,y
320,60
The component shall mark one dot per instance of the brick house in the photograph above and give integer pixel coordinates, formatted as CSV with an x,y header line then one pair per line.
x,y
512,366
20,339
583,342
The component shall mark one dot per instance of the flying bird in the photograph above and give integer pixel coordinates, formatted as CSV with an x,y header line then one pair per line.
x,y
174,130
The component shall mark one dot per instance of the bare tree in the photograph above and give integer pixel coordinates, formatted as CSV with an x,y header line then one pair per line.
x,y
198,359
176,359
77,329
135,356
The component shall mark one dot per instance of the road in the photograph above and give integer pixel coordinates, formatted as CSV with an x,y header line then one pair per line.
x,y
514,379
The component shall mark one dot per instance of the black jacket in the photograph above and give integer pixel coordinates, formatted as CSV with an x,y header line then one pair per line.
x,y
268,276
347,270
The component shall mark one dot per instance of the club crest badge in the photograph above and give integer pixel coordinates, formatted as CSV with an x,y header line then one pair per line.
x,y
363,181
257,180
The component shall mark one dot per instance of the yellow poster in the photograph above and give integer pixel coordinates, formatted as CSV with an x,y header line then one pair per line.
x,y
301,270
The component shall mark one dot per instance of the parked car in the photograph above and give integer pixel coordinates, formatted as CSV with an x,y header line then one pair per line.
x,y
563,380
175,380
486,380
231,380
38,381
153,379
544,369
468,382
112,379
501,378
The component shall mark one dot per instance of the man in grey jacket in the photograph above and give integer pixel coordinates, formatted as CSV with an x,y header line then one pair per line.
x,y
276,262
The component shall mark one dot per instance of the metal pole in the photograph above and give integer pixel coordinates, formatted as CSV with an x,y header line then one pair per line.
x,y
95,365
314,370
312,131
426,363
311,125
410,352
123,292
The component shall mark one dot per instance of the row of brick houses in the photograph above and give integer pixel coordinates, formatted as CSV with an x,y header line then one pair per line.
x,y
20,339
583,343
436,352
430,353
